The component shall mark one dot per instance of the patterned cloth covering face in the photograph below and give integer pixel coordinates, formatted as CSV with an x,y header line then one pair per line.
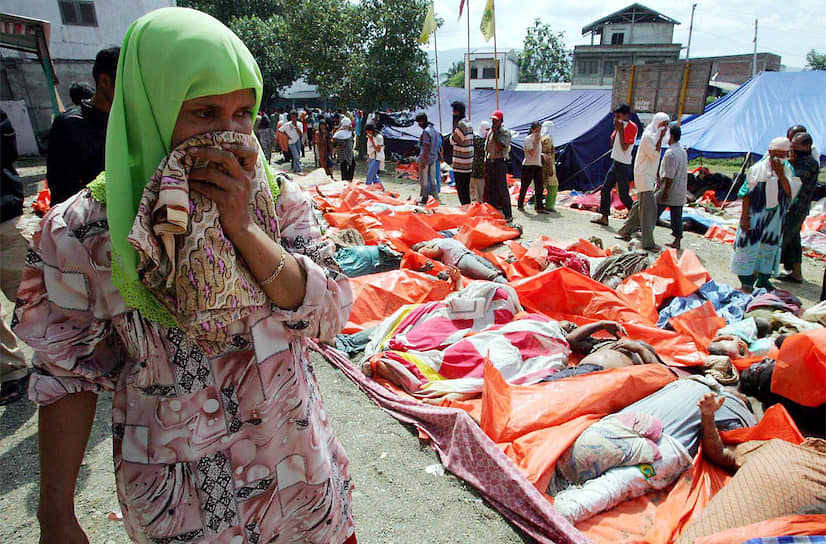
x,y
186,261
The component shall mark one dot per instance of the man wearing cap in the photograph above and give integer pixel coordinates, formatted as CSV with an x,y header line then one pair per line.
x,y
497,144
428,156
804,168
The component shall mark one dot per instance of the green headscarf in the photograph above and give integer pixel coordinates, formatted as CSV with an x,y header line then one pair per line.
x,y
168,56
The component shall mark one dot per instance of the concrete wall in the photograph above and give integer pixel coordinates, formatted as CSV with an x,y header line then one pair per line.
x,y
639,33
28,82
606,58
508,71
83,42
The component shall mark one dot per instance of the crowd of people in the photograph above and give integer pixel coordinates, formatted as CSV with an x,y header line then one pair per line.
x,y
203,377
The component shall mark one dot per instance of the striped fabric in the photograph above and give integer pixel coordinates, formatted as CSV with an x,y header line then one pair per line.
x,y
463,149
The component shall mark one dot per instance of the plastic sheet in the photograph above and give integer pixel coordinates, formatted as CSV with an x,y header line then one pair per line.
x,y
800,368
701,324
668,277
379,295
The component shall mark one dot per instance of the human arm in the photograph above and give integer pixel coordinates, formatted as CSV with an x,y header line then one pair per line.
x,y
430,252
745,220
713,448
63,431
580,334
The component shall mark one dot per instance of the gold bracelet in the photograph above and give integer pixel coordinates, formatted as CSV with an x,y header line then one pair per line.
x,y
277,271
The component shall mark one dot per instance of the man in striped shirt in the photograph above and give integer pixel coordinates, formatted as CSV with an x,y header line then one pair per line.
x,y
462,141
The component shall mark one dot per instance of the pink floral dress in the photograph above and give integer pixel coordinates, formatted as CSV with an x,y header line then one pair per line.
x,y
234,448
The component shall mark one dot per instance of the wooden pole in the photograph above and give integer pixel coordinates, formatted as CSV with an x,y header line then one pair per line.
x,y
686,72
629,98
496,60
467,64
438,83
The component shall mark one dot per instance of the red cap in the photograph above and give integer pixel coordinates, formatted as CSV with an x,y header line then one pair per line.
x,y
498,114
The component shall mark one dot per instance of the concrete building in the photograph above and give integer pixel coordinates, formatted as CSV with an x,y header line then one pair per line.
x,y
633,35
737,69
482,71
79,29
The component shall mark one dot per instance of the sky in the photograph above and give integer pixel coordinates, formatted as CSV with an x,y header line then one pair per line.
x,y
789,29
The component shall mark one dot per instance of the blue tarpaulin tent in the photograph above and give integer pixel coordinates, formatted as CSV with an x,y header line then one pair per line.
x,y
582,127
746,120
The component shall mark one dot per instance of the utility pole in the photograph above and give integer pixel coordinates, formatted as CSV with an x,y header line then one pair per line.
x,y
754,57
690,30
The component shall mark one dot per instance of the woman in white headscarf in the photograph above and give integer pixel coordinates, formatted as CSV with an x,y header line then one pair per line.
x,y
550,181
767,193
477,175
644,213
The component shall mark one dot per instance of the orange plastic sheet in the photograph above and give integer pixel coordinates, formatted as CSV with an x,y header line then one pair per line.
x,y
565,295
379,295
776,423
800,368
701,324
667,277
721,233
813,524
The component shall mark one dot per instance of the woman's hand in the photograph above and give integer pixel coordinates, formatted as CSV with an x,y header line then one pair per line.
x,y
227,181
709,404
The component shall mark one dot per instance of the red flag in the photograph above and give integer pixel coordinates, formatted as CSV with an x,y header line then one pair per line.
x,y
461,8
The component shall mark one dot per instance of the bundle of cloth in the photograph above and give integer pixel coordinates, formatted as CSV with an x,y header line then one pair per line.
x,y
438,349
185,260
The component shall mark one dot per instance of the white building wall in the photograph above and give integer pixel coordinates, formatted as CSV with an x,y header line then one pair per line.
x,y
73,42
508,71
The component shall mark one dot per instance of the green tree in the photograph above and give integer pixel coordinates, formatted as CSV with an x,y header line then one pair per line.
x,y
544,57
815,60
268,41
455,75
390,68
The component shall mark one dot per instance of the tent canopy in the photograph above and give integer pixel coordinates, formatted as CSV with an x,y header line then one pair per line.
x,y
746,120
582,127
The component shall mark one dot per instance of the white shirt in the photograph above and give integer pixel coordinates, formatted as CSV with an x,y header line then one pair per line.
x,y
533,151
292,131
378,139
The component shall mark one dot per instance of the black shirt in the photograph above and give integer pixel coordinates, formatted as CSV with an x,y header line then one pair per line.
x,y
76,149
11,186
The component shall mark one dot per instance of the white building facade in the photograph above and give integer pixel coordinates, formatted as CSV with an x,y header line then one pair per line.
x,y
480,70
78,30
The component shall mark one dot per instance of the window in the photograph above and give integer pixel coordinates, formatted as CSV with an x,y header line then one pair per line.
x,y
78,12
489,73
474,72
608,68
588,67
617,38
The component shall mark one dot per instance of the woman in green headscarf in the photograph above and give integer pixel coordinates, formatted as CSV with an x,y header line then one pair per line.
x,y
214,441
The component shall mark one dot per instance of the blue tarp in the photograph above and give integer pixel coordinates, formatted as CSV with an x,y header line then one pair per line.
x,y
582,127
746,120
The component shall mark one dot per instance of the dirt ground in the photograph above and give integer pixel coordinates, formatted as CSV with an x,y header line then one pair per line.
x,y
399,496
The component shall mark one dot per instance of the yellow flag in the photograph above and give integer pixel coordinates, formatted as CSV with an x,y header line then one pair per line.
x,y
489,21
429,24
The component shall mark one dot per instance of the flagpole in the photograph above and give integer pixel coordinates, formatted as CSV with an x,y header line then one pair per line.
x,y
467,65
496,60
438,83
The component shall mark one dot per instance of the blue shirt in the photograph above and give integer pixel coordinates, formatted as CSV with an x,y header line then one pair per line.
x,y
429,137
